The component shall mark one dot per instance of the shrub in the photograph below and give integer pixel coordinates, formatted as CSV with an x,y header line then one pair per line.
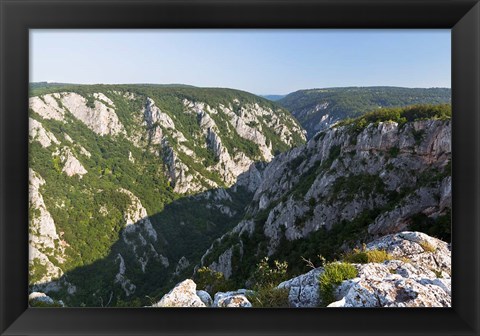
x,y
394,151
333,275
43,304
369,256
269,298
438,273
210,280
266,276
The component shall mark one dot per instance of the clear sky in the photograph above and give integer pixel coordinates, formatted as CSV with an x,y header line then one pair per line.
x,y
258,61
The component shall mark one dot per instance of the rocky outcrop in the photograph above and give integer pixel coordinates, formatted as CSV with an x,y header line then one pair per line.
x,y
71,165
157,122
247,121
182,264
43,233
224,263
97,116
183,178
38,133
121,279
47,106
139,233
235,299
183,294
398,171
303,289
421,278
418,275
38,299
205,297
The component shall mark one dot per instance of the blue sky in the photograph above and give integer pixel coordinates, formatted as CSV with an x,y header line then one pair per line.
x,y
258,61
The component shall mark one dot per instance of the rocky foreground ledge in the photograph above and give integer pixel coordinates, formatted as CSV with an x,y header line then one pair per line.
x,y
417,273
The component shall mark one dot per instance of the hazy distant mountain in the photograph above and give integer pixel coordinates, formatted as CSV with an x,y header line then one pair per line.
x,y
273,97
317,109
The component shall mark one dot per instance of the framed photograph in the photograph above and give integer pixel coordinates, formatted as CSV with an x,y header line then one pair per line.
x,y
285,165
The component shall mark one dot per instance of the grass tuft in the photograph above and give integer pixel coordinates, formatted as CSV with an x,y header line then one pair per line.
x,y
427,247
333,275
367,256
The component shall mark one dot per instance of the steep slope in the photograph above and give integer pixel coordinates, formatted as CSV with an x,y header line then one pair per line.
x,y
317,109
347,185
118,172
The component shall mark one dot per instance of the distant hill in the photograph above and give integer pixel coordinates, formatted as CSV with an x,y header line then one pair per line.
x,y
317,109
273,97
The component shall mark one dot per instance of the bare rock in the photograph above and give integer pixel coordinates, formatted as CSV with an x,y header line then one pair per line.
x,y
184,294
304,289
47,106
234,299
38,133
100,118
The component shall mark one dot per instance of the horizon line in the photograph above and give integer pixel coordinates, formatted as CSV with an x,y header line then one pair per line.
x,y
260,94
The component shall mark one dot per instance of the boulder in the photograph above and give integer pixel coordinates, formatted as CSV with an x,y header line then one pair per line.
x,y
184,294
303,289
205,297
234,299
38,299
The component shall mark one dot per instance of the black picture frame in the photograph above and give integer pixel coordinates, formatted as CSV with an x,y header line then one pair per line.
x,y
18,16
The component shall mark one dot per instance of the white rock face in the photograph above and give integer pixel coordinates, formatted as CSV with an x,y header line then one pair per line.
x,y
42,227
38,133
303,289
47,106
224,264
71,165
127,286
182,264
137,215
184,179
247,121
44,242
104,99
158,122
234,299
101,119
184,294
51,273
139,233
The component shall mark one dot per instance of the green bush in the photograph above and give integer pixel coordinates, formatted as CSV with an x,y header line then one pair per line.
x,y
367,256
399,115
266,279
43,304
211,281
266,276
333,275
269,298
